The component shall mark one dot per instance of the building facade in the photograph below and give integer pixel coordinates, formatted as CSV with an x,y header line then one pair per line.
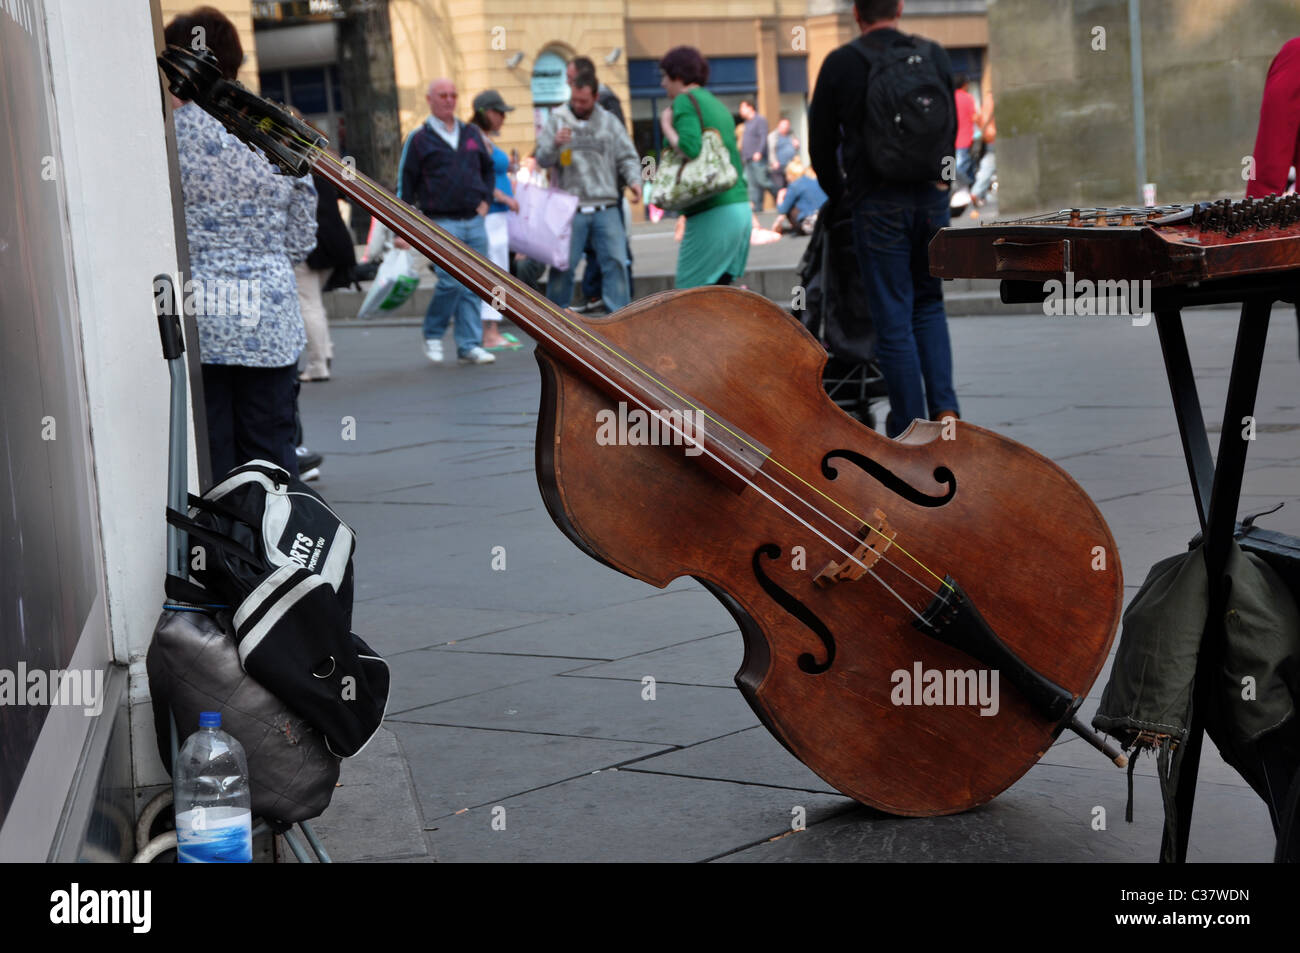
x,y
767,51
1069,99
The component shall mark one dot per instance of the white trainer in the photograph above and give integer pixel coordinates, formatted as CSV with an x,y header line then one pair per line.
x,y
433,350
477,355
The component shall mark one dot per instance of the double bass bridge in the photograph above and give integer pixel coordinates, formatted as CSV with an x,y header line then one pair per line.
x,y
875,538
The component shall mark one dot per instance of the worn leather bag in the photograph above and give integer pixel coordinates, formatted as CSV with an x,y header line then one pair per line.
x,y
193,666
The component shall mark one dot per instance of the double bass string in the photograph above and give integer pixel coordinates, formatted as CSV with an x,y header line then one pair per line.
x,y
401,211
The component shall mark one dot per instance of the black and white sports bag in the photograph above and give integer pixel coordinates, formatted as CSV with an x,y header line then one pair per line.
x,y
270,549
265,520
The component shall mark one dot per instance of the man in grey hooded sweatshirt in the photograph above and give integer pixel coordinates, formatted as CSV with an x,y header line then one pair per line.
x,y
589,150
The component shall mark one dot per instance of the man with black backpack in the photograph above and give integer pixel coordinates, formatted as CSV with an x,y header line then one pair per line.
x,y
882,138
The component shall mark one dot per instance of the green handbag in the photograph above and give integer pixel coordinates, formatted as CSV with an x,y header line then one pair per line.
x,y
682,182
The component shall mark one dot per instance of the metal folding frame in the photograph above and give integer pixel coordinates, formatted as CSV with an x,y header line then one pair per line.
x,y
1216,484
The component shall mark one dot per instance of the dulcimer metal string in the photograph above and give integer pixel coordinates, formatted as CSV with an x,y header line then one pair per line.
x,y
400,210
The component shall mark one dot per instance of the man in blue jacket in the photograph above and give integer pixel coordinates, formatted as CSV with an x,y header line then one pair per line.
x,y
446,172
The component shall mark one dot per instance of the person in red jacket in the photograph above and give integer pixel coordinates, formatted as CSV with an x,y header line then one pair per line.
x,y
966,113
1277,143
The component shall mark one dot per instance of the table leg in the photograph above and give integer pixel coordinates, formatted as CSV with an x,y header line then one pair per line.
x,y
1220,523
1187,409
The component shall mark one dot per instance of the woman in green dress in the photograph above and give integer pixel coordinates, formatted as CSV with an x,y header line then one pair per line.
x,y
715,246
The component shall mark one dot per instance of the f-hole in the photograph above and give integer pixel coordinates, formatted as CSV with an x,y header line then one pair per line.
x,y
807,663
891,482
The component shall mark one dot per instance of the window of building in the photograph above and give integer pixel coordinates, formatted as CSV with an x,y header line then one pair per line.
x,y
792,74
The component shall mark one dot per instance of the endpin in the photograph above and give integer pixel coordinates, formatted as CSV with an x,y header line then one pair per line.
x,y
1097,741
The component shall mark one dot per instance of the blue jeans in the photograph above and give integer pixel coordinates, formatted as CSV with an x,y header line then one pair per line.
x,y
965,167
984,177
610,242
591,273
451,297
759,181
892,228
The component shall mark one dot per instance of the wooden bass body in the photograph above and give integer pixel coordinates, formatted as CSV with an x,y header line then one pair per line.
x,y
1017,532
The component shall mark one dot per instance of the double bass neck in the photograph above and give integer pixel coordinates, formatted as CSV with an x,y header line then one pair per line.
x,y
732,456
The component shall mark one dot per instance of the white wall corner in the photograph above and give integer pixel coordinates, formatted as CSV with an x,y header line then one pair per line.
x,y
122,232
116,175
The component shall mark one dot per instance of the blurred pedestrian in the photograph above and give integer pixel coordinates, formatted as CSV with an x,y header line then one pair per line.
x,y
782,149
967,112
715,243
591,284
802,200
988,167
330,265
246,226
490,115
898,200
446,172
606,97
592,157
1277,140
753,147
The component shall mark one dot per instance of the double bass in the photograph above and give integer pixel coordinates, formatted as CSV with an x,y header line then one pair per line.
x,y
876,582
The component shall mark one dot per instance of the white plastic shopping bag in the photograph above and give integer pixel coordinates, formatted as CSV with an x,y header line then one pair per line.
x,y
542,226
395,281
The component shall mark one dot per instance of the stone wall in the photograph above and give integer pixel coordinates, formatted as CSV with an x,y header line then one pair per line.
x,y
1065,110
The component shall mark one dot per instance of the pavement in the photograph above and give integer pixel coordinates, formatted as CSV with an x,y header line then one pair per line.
x,y
519,727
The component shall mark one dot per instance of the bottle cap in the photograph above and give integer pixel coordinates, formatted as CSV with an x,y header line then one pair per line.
x,y
209,719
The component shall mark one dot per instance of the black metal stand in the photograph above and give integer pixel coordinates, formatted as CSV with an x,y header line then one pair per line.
x,y
1217,490
1216,485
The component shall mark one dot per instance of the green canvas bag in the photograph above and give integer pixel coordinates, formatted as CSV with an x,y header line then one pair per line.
x,y
1147,703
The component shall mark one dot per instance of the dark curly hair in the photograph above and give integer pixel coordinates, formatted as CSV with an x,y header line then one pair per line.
x,y
219,35
685,63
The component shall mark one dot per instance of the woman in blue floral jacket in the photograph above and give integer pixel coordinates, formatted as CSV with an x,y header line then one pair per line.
x,y
246,226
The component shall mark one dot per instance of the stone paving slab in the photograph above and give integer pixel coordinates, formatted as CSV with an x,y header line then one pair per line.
x,y
1046,817
652,622
598,708
1144,474
1074,428
456,769
401,628
709,661
751,756
628,816
529,589
427,676
373,814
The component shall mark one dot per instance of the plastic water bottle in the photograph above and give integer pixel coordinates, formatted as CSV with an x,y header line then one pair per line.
x,y
214,818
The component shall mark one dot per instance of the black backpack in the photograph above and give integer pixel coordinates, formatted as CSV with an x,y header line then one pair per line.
x,y
910,118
